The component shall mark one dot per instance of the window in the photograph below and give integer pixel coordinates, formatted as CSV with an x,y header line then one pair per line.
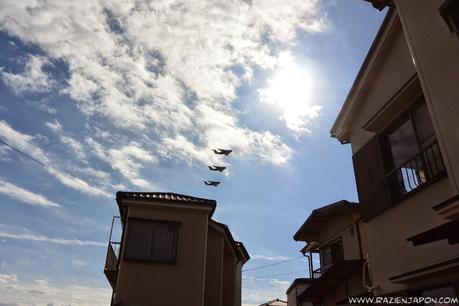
x,y
412,154
450,13
331,253
150,240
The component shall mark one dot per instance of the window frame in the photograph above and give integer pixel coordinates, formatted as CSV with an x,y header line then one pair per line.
x,y
152,261
388,159
328,245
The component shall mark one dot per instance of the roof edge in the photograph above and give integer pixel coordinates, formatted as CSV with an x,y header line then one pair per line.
x,y
338,129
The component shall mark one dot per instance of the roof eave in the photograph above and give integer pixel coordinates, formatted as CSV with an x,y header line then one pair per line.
x,y
340,129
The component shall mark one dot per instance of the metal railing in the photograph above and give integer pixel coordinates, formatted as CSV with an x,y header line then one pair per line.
x,y
113,251
317,273
111,261
425,167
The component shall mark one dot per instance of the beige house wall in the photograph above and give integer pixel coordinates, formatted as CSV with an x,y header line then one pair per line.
x,y
343,227
436,53
214,268
171,285
394,67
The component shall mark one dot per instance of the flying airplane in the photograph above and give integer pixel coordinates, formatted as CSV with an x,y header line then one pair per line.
x,y
216,168
222,151
211,183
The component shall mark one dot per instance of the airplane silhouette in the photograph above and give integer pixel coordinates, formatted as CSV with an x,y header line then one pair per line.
x,y
216,168
211,183
222,151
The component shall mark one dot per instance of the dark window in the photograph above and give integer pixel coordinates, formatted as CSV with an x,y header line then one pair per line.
x,y
150,240
412,154
450,13
331,253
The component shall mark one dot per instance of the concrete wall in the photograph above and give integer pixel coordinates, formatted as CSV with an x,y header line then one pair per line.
x,y
166,284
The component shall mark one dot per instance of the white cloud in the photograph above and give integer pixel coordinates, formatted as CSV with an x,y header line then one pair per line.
x,y
41,238
32,80
24,195
39,292
74,145
26,143
271,258
260,290
138,63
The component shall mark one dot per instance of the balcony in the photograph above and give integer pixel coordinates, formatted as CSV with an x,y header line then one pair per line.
x,y
112,258
422,169
326,281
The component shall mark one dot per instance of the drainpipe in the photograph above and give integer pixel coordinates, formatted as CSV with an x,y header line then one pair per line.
x,y
366,268
309,257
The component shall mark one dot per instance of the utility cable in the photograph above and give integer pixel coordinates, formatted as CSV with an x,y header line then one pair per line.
x,y
52,169
273,264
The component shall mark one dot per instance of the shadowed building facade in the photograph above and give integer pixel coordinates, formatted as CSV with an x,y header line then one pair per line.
x,y
333,237
172,253
401,119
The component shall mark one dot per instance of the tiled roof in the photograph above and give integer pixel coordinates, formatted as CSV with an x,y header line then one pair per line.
x,y
170,197
163,196
275,302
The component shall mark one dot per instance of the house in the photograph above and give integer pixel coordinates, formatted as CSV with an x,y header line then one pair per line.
x,y
275,302
172,253
401,119
333,236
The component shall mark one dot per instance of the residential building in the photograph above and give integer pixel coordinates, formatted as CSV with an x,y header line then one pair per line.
x,y
401,119
275,302
333,236
172,253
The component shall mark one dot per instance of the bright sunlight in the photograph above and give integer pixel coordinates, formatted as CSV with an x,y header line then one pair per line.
x,y
291,89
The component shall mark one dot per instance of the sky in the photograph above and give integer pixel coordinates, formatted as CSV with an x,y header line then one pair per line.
x,y
132,95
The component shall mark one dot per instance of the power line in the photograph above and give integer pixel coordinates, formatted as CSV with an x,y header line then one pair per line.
x,y
273,264
55,171
282,274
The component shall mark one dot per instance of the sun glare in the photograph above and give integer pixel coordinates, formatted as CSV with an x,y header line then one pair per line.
x,y
291,90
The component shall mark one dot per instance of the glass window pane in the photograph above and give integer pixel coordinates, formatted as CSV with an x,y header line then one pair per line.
x,y
423,126
403,143
152,240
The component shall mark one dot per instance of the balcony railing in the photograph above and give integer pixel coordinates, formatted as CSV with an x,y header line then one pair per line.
x,y
317,273
424,168
112,258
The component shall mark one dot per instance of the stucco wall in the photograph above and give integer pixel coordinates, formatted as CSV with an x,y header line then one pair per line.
x,y
437,59
165,284
436,53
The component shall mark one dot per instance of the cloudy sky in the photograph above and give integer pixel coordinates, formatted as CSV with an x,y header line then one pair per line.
x,y
133,95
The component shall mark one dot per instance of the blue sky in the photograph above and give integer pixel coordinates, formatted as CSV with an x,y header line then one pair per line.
x,y
133,95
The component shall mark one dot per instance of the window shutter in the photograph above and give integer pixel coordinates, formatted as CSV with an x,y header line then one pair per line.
x,y
369,173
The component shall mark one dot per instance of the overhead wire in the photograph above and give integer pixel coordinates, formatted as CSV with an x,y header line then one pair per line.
x,y
50,168
272,264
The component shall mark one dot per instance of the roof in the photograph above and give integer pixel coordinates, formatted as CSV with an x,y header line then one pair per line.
x,y
238,247
275,302
169,197
321,216
299,281
339,129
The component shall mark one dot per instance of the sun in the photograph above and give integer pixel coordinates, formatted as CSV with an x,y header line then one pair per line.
x,y
291,90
